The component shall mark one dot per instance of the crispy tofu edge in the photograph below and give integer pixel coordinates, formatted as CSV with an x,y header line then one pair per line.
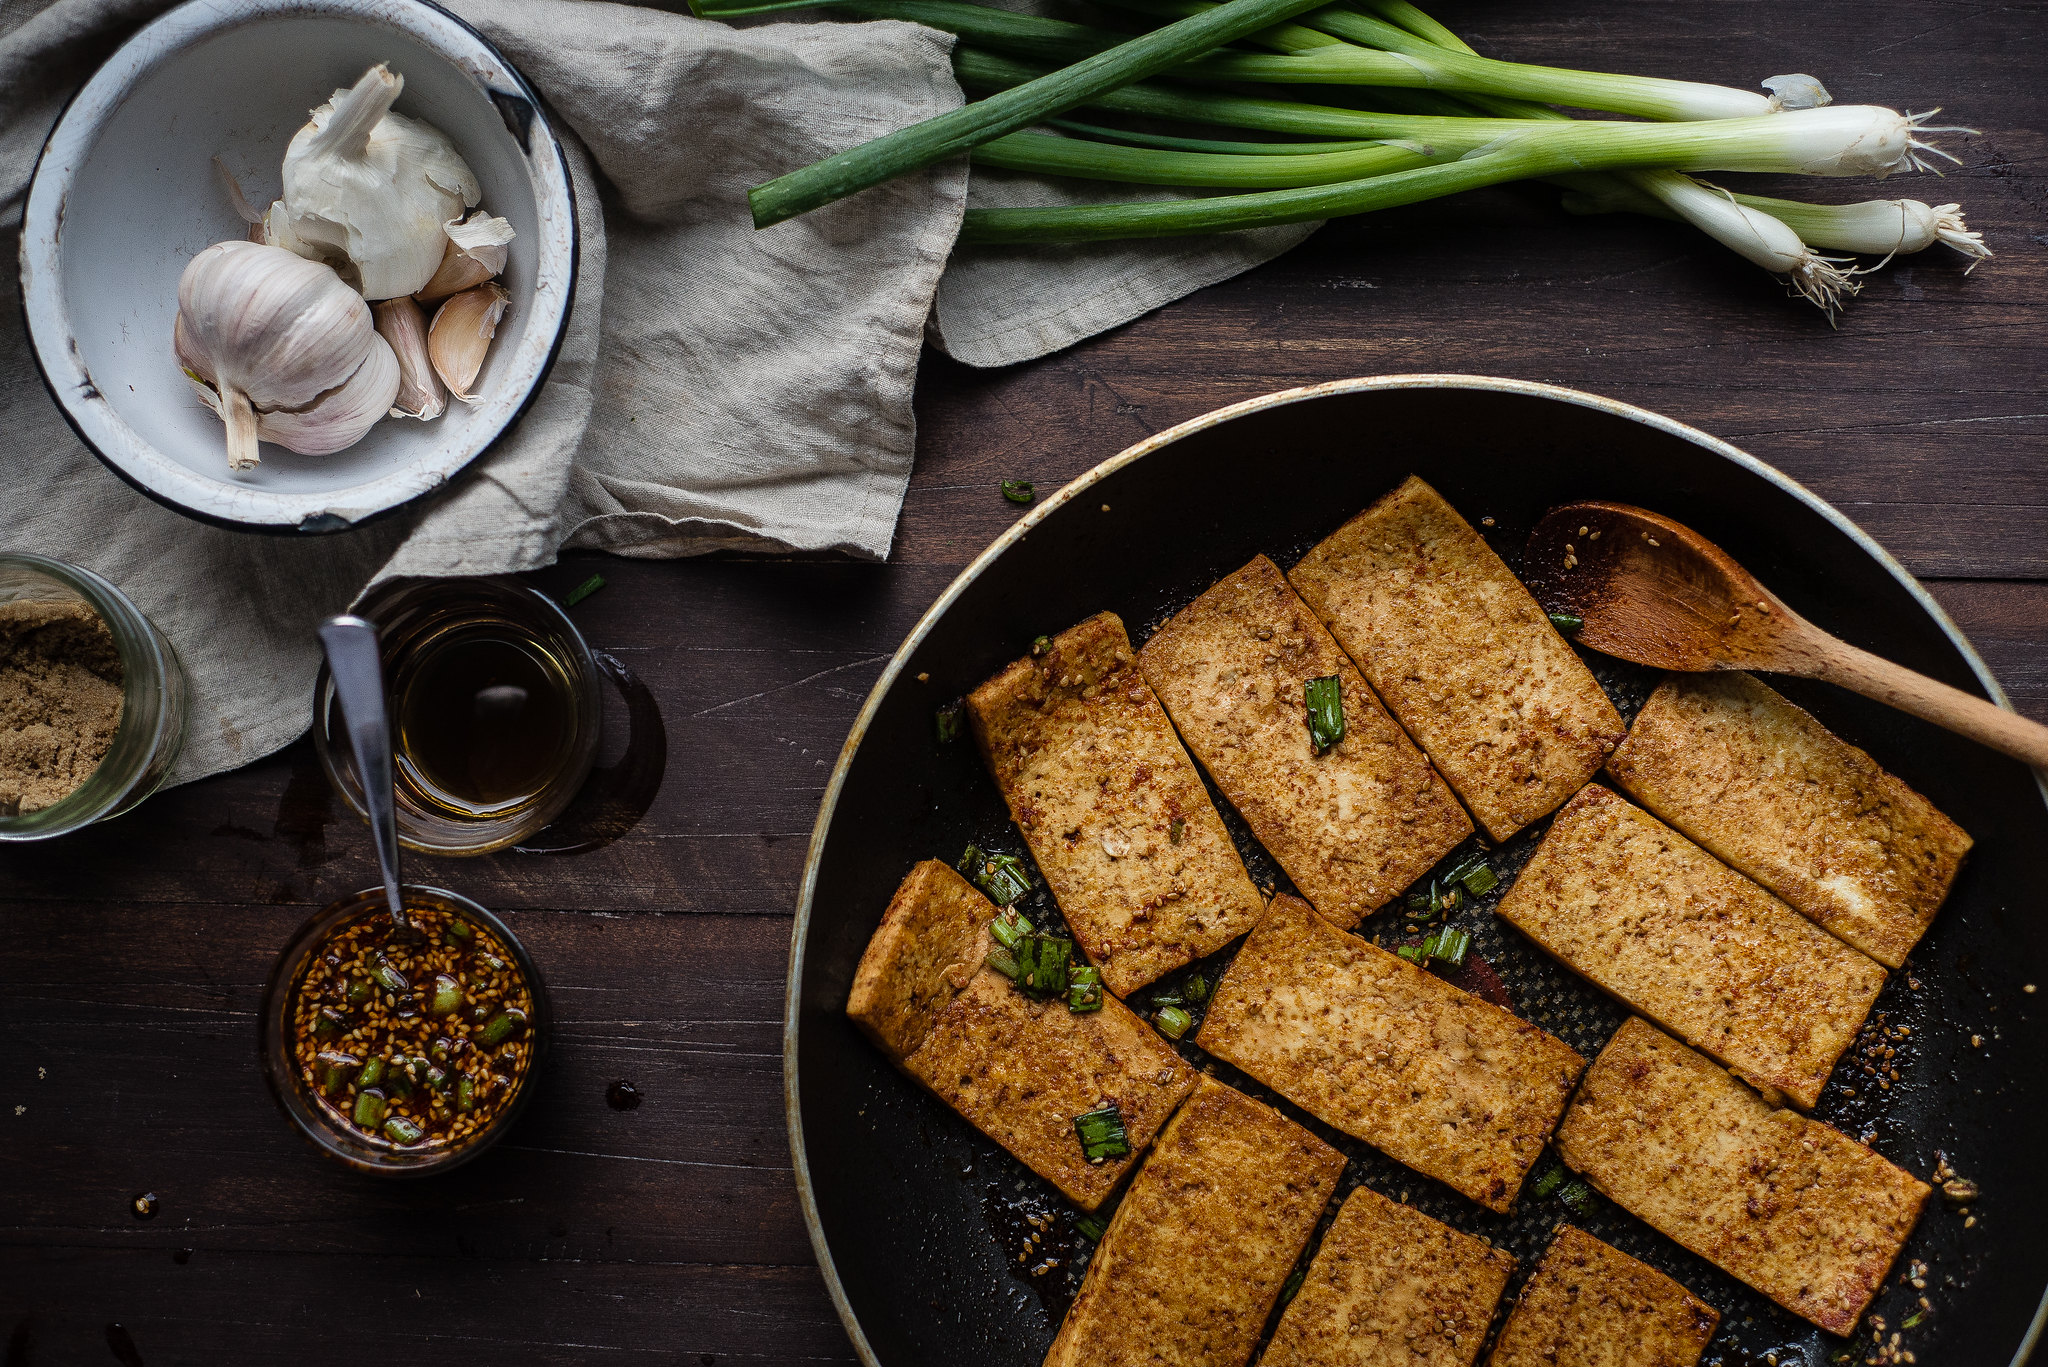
x,y
895,997
1447,822
1640,1281
1269,925
1319,1164
1805,1092
1504,813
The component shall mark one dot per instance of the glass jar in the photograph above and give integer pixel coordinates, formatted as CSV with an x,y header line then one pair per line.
x,y
422,621
277,1040
155,699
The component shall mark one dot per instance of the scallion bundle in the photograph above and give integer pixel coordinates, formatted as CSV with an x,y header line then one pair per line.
x,y
1054,98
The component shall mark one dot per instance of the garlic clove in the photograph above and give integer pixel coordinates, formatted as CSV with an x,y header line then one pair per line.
x,y
476,252
375,187
462,333
339,418
420,393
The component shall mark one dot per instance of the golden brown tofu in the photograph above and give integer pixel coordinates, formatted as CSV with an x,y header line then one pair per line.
x,y
1365,1041
1618,896
1798,1210
1200,1245
1352,826
1018,1069
1766,787
1463,655
1112,807
1588,1305
1391,1287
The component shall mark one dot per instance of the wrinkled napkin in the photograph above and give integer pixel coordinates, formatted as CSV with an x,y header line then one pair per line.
x,y
717,387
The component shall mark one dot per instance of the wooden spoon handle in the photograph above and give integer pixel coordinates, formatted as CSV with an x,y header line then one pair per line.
x,y
1964,713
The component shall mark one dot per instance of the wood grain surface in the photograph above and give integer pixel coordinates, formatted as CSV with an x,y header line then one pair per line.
x,y
134,953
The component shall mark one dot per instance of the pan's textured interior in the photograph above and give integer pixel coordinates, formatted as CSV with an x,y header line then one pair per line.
x,y
941,1242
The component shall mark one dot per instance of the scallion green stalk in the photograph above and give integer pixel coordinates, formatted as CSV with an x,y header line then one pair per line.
x,y
955,132
1154,166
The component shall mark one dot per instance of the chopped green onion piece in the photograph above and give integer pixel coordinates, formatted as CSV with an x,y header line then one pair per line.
x,y
373,1072
1040,644
459,931
1017,490
465,1093
1173,1021
946,721
1414,954
1009,928
1003,962
508,1021
1566,622
1577,1198
583,590
390,977
1198,988
359,991
1419,904
1913,1320
1479,879
1083,996
1102,1134
1292,1286
1003,877
1175,831
402,1131
336,1068
1325,698
328,1021
370,1105
1451,946
1042,962
1553,1178
1091,1227
447,998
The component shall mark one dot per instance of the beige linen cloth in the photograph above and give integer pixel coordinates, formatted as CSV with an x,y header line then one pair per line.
x,y
717,387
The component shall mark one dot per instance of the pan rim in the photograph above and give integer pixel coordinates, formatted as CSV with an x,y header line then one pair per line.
x,y
792,1112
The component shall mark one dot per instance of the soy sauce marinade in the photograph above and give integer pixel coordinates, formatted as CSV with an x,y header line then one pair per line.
x,y
415,1038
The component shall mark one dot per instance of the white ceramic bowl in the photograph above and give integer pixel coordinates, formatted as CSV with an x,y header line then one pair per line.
x,y
125,195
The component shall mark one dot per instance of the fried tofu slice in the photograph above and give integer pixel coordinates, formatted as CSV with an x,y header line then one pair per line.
x,y
1589,1305
1017,1069
1619,897
1796,1209
1766,787
1113,809
1391,1287
1462,655
1353,825
1201,1244
1368,1043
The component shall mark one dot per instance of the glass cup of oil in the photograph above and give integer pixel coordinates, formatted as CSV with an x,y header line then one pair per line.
x,y
496,712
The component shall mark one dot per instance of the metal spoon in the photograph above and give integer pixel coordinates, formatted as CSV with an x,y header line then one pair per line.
x,y
1650,590
357,667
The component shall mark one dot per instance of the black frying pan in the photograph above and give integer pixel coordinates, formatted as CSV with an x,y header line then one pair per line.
x,y
919,1222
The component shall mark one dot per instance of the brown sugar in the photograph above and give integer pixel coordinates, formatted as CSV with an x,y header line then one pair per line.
x,y
60,700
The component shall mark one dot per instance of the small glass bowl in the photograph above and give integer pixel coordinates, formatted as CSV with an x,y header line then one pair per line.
x,y
155,699
274,1039
413,610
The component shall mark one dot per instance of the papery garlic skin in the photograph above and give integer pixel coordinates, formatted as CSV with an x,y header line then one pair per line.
x,y
461,335
420,392
477,249
374,187
262,329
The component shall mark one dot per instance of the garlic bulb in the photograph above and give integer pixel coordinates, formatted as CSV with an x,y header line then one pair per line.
x,y
337,419
372,187
462,333
261,331
476,252
401,323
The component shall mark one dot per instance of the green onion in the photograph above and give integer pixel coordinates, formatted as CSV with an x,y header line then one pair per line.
x,y
1017,490
1040,644
370,1105
1553,1178
447,997
508,1022
402,1131
1291,1288
1056,156
465,1093
1414,954
1091,1227
1009,928
336,1068
1577,1197
1476,875
955,132
1913,1320
1003,962
1566,623
1175,830
373,1072
1325,698
946,721
391,979
359,991
328,1022
1450,946
583,590
1173,1021
1084,988
1198,989
1042,962
1002,877
1102,1134
459,932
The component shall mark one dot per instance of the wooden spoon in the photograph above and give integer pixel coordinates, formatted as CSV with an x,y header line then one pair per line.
x,y
1649,590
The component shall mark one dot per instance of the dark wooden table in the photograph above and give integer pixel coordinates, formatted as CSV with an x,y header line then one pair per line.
x,y
133,954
